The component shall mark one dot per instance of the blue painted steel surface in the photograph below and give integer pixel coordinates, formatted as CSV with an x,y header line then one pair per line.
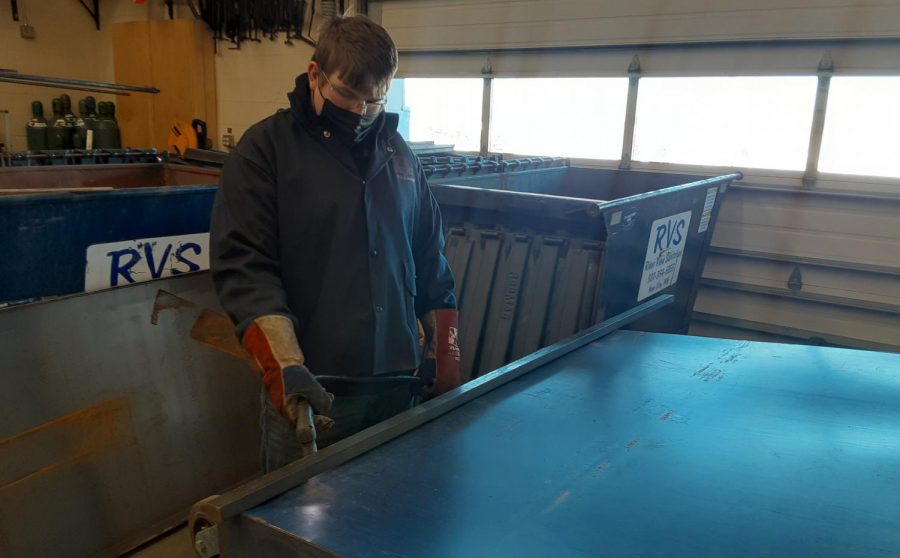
x,y
50,233
637,445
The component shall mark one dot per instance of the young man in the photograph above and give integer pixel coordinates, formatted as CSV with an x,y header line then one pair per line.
x,y
326,243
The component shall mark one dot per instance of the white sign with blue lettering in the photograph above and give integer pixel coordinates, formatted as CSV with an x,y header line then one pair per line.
x,y
134,261
664,251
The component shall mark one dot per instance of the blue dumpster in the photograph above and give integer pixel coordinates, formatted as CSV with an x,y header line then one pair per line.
x,y
65,230
538,256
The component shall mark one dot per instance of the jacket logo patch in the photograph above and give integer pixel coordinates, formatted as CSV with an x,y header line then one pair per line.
x,y
403,168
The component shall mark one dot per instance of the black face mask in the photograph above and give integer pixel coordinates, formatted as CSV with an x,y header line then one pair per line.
x,y
350,127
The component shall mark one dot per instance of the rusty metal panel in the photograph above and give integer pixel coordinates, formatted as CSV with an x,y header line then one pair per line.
x,y
120,409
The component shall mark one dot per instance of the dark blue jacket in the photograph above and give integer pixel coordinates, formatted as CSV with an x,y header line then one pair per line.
x,y
353,258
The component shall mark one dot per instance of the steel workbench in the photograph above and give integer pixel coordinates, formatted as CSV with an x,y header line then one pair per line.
x,y
637,444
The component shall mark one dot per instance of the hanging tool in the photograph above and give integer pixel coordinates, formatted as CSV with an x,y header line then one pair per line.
x,y
181,138
184,136
237,21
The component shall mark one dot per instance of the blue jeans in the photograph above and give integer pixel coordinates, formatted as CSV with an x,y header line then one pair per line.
x,y
351,414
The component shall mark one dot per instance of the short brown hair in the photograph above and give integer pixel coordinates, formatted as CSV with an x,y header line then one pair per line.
x,y
358,50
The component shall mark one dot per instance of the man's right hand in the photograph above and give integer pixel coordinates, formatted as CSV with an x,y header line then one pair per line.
x,y
299,383
271,341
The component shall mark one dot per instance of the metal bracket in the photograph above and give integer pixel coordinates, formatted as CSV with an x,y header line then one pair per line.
x,y
825,70
487,73
194,9
634,68
826,66
634,76
795,281
95,12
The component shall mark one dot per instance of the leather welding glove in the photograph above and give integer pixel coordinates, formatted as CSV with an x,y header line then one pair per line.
x,y
271,341
440,364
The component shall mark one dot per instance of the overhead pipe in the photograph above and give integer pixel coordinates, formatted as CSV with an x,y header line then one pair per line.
x,y
12,76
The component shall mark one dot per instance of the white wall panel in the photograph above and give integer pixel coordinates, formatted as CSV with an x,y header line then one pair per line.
x,y
844,251
486,24
748,60
841,230
802,319
834,285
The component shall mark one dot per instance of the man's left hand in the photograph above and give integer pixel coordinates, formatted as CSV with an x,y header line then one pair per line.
x,y
440,366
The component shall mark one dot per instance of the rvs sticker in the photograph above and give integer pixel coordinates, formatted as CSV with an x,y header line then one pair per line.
x,y
134,261
664,251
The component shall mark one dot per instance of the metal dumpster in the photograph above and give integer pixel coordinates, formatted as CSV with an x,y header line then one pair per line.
x,y
533,268
67,229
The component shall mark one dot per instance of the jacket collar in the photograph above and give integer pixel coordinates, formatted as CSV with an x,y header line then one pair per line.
x,y
382,137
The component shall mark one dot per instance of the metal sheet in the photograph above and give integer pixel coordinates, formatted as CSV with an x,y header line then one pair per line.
x,y
639,444
113,425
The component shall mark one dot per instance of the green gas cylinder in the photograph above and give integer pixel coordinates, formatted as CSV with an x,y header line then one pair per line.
x,y
75,139
90,119
91,103
117,134
60,133
36,131
104,136
79,135
67,107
